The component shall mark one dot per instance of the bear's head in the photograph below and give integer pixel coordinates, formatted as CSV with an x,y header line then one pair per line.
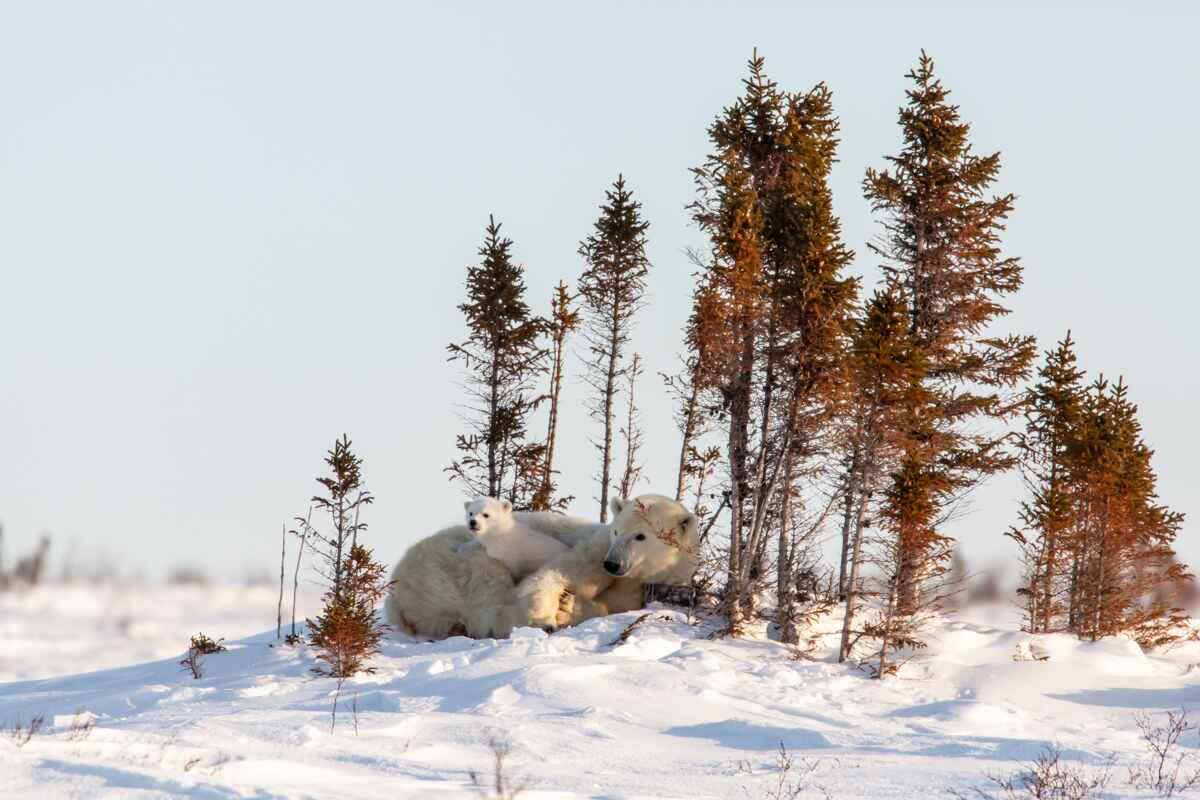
x,y
488,514
654,540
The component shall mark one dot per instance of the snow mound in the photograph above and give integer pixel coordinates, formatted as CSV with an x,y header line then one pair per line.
x,y
669,711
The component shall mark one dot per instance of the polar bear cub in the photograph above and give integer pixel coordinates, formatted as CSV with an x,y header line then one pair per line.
x,y
506,538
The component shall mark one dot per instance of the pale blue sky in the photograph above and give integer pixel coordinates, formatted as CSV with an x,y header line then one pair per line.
x,y
203,206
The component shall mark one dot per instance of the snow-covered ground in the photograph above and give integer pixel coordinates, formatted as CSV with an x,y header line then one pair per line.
x,y
667,713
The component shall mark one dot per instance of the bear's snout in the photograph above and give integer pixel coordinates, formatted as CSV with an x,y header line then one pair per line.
x,y
473,525
613,568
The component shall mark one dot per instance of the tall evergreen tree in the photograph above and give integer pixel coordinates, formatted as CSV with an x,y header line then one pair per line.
x,y
613,287
502,357
773,280
1123,536
1096,544
880,367
941,247
1053,410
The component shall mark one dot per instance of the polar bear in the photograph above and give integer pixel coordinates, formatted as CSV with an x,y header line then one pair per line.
x,y
652,539
511,541
439,592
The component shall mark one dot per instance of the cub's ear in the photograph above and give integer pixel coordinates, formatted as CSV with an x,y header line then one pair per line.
x,y
466,505
506,505
689,523
617,505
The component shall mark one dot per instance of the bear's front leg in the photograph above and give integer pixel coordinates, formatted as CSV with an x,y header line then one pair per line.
x,y
573,610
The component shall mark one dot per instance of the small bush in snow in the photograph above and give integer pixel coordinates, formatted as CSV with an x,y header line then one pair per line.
x,y
1048,777
502,786
82,725
1168,769
20,733
200,646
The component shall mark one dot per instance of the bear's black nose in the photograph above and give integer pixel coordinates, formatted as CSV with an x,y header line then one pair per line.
x,y
612,567
473,525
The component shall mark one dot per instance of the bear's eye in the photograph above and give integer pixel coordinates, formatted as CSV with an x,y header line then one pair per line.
x,y
641,537
485,516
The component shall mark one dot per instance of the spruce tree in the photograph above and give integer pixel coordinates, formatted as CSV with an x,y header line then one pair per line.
x,y
503,357
941,247
613,288
1053,409
347,631
773,281
881,365
1123,537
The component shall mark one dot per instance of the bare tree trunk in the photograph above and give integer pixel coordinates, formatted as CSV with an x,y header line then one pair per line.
x,y
785,592
279,609
689,432
847,512
493,409
739,420
610,390
631,473
296,573
886,640
852,582
556,373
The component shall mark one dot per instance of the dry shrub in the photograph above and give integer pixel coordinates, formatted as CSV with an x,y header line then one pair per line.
x,y
82,725
1048,777
790,779
20,733
201,645
502,785
1168,769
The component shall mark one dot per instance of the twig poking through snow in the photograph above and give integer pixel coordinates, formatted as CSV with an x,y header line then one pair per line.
x,y
621,639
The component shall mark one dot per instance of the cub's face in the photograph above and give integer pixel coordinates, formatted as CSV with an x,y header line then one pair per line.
x,y
488,514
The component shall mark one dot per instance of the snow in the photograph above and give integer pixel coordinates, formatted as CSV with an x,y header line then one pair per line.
x,y
668,713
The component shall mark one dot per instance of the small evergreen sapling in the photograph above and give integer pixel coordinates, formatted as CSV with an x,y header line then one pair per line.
x,y
347,632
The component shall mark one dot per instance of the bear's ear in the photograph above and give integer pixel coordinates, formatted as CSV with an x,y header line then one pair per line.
x,y
506,505
689,523
617,504
466,505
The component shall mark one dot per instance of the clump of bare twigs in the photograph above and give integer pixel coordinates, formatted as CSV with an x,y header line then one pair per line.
x,y
28,570
1048,777
206,646
502,786
200,646
1169,769
82,725
20,733
790,779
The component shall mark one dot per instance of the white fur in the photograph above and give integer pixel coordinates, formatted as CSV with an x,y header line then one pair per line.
x,y
438,591
507,539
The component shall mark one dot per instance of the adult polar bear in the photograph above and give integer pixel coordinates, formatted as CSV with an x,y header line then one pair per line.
x,y
438,592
